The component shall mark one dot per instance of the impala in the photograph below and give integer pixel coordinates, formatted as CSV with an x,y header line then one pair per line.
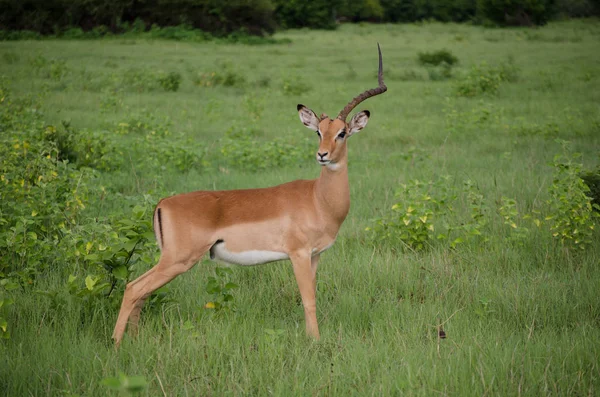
x,y
297,220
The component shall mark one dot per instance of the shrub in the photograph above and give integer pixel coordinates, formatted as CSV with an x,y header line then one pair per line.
x,y
592,180
438,73
516,12
436,58
220,289
41,196
83,148
294,85
486,79
578,8
317,14
425,212
170,81
52,16
226,75
412,220
571,216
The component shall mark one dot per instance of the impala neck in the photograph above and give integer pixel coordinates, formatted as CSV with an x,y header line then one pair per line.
x,y
332,190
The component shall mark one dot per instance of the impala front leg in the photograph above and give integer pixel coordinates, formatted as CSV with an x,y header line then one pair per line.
x,y
305,272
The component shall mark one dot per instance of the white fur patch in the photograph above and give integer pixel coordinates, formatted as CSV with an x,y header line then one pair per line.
x,y
246,258
333,166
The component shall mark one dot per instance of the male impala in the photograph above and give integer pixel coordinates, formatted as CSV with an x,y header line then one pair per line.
x,y
297,220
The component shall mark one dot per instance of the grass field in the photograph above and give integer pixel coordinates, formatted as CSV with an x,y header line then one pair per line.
x,y
520,310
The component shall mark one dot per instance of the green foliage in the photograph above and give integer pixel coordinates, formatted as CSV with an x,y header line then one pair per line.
x,y
592,180
243,151
83,148
438,73
220,289
125,383
170,81
226,76
437,58
435,210
486,79
471,227
571,216
439,64
318,14
362,10
510,215
41,196
158,147
516,12
294,85
578,8
419,10
411,223
6,285
71,18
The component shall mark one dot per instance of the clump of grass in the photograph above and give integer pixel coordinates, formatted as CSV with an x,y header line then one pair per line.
x,y
170,81
242,150
226,75
439,73
437,58
486,79
146,80
294,85
10,57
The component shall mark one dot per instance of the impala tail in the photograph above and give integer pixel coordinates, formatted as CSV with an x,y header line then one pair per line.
x,y
158,227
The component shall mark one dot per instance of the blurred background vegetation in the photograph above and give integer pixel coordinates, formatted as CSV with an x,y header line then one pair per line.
x,y
263,17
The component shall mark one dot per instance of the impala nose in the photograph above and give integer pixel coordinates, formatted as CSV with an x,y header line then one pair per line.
x,y
322,155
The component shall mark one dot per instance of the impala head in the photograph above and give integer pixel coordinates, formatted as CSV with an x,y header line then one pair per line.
x,y
333,133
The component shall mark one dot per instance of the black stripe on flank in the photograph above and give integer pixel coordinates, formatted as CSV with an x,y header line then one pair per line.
x,y
162,242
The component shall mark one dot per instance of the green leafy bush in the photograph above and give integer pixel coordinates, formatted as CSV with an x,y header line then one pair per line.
x,y
412,221
511,218
41,195
170,81
571,217
486,79
317,14
226,76
83,148
516,12
6,285
436,58
220,288
294,85
592,180
124,383
432,211
220,18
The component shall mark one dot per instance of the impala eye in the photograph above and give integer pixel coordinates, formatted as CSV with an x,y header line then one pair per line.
x,y
342,134
319,134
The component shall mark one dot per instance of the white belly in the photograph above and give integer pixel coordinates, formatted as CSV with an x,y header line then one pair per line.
x,y
245,258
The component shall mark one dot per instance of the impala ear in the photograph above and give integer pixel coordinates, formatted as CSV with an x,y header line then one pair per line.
x,y
358,122
308,118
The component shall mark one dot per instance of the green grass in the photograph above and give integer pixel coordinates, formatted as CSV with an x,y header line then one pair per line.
x,y
520,319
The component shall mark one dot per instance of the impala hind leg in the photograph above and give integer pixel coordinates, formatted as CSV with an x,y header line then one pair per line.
x,y
140,289
305,271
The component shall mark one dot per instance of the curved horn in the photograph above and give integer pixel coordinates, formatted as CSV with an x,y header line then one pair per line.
x,y
368,93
